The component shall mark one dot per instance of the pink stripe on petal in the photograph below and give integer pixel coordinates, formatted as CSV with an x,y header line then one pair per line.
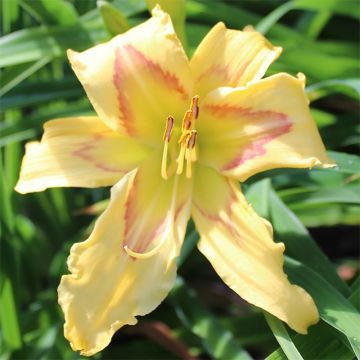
x,y
259,117
216,70
155,69
238,74
224,217
87,150
133,216
130,211
122,75
224,75
125,116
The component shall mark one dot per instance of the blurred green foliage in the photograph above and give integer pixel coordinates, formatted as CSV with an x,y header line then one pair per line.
x,y
201,318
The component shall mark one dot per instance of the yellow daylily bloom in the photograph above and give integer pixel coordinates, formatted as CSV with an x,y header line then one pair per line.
x,y
174,137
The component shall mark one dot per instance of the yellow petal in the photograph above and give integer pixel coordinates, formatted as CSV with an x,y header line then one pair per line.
x,y
108,288
138,78
262,126
80,151
231,58
239,245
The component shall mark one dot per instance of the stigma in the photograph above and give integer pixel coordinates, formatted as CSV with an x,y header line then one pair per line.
x,y
187,141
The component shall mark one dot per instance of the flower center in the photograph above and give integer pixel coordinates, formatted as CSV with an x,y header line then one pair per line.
x,y
187,140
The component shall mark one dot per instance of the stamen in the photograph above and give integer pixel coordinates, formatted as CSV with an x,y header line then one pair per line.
x,y
190,153
166,138
187,140
164,161
195,106
180,160
186,125
188,163
192,139
168,128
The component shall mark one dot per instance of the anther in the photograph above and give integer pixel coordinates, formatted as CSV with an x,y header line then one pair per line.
x,y
195,106
186,125
168,128
192,139
190,154
187,140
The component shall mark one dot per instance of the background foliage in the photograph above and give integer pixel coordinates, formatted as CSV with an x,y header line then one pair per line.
x,y
201,318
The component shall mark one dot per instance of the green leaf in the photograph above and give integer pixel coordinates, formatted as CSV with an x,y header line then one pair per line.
x,y
323,118
322,343
349,87
130,7
233,16
345,163
54,12
250,329
267,22
355,287
36,43
348,7
9,14
304,197
282,336
114,20
258,196
8,314
41,92
316,65
326,215
15,75
299,243
313,23
17,137
333,307
218,341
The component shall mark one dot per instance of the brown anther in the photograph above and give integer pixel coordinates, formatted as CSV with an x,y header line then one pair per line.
x,y
168,128
195,106
192,139
187,120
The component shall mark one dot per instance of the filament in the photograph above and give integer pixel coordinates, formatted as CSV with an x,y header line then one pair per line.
x,y
166,137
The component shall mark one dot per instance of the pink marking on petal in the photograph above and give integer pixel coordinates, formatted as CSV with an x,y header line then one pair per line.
x,y
122,74
126,115
235,79
216,70
219,220
157,230
130,208
85,151
131,216
223,216
151,235
155,69
260,117
223,74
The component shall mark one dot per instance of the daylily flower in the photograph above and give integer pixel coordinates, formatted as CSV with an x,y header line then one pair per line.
x,y
174,137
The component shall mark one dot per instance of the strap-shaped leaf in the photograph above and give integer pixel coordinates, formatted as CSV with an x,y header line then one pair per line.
x,y
333,307
300,245
218,341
